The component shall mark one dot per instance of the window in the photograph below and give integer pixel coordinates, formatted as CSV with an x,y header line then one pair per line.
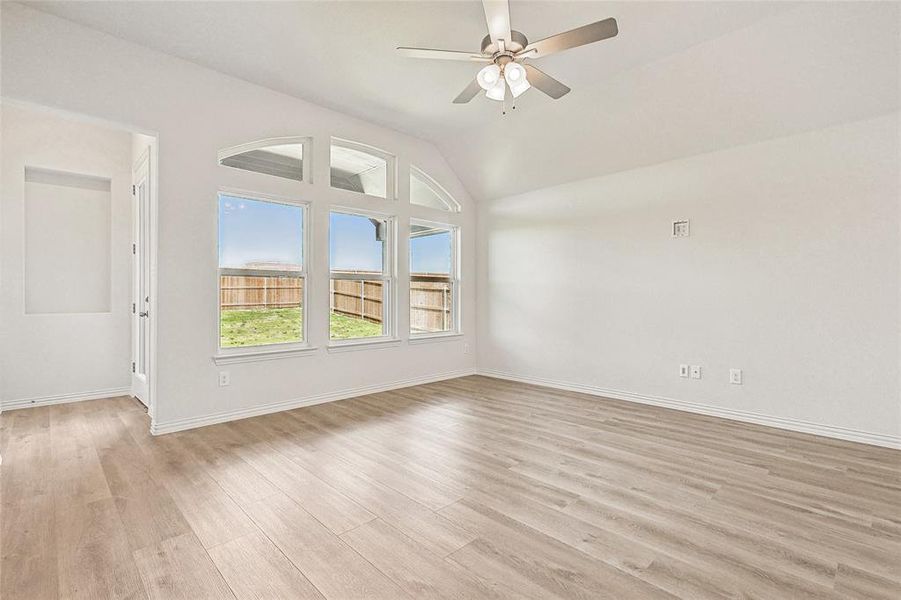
x,y
361,282
434,279
282,157
363,169
425,191
261,272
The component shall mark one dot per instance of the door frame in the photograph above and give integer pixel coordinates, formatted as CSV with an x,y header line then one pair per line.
x,y
144,168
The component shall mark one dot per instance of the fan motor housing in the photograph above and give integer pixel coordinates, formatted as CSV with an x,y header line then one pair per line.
x,y
517,44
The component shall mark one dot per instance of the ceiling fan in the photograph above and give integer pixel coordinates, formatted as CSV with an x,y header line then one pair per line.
x,y
506,49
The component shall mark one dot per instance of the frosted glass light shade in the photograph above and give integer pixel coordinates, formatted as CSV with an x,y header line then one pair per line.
x,y
516,78
497,91
513,72
489,76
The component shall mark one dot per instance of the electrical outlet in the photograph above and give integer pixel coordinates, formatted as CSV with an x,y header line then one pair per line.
x,y
224,378
683,370
695,372
465,347
735,376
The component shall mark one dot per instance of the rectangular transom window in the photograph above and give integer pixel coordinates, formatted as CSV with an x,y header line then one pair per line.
x,y
434,278
361,281
261,272
359,168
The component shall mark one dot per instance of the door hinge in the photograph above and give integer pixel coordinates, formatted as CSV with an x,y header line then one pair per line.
x,y
132,308
134,248
132,367
134,190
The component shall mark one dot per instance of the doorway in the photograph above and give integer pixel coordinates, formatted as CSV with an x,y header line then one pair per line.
x,y
82,252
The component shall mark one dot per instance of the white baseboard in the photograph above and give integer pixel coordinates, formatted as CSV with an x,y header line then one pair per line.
x,y
64,398
263,409
831,431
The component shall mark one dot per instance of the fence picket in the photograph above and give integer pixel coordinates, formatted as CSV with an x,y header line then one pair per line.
x,y
430,301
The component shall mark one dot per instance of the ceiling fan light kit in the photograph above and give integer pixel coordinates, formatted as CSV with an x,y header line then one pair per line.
x,y
506,49
497,92
515,75
489,76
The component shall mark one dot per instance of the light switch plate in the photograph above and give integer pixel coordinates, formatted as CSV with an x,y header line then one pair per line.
x,y
735,376
683,370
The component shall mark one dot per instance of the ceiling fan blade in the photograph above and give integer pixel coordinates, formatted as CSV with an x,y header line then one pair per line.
x,y
497,15
544,82
442,54
587,34
469,93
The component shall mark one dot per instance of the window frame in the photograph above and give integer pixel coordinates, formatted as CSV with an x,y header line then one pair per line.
x,y
390,167
388,278
454,278
306,162
261,351
453,207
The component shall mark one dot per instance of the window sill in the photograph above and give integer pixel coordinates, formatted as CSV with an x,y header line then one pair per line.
x,y
261,355
428,338
354,345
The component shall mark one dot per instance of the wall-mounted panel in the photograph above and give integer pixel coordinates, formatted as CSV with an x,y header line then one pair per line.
x,y
67,242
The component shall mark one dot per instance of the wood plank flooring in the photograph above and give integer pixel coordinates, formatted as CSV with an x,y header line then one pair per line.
x,y
470,488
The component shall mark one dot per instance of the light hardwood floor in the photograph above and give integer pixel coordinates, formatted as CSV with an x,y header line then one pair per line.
x,y
470,488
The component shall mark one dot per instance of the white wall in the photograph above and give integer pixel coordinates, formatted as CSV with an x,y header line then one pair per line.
x,y
73,337
196,112
67,242
791,273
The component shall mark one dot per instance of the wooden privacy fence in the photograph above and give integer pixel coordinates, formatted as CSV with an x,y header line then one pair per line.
x,y
431,297
247,291
431,300
356,298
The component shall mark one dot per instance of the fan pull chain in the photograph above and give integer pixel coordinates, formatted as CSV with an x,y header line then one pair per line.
x,y
512,106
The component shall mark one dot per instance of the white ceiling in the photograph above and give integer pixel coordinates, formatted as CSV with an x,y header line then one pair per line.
x,y
681,77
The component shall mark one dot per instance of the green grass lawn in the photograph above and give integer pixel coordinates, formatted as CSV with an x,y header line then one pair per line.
x,y
342,327
279,325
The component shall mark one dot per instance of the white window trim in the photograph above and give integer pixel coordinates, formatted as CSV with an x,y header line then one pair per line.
x,y
453,205
389,285
355,344
261,353
235,354
428,338
390,167
456,330
306,164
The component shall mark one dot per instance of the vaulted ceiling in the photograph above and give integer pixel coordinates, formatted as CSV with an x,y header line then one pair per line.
x,y
681,78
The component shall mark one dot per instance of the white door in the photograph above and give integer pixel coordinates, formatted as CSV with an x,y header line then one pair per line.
x,y
140,354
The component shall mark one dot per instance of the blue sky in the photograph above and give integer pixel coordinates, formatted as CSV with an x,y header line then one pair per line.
x,y
431,253
352,244
255,231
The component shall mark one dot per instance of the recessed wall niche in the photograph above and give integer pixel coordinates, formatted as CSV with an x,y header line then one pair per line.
x,y
67,242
